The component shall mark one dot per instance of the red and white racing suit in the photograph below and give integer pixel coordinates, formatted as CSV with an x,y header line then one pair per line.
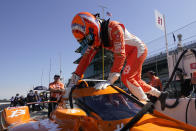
x,y
125,46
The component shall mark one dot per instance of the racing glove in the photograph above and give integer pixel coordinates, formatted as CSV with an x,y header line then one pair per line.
x,y
111,79
73,81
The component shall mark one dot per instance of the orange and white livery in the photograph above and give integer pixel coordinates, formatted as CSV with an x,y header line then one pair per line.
x,y
125,47
80,118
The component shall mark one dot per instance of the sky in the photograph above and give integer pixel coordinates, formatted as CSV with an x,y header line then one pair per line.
x,y
34,31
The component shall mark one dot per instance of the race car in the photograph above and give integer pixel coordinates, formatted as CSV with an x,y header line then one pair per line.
x,y
110,109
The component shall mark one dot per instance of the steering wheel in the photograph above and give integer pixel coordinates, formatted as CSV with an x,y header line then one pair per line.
x,y
81,84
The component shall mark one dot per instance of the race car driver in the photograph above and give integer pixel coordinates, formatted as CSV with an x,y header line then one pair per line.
x,y
112,35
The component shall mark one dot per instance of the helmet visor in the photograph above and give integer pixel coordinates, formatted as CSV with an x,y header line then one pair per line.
x,y
87,40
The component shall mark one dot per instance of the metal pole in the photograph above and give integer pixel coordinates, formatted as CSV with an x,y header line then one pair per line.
x,y
103,74
166,42
60,66
42,77
50,71
103,62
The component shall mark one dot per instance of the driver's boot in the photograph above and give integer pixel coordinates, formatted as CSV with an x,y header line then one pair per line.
x,y
162,99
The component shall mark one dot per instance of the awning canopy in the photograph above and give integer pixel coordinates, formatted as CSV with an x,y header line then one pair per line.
x,y
40,88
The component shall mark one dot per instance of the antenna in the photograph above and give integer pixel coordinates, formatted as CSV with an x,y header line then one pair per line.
x,y
42,77
103,9
50,70
60,65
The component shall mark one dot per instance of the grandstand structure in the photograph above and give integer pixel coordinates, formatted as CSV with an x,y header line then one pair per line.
x,y
94,70
158,63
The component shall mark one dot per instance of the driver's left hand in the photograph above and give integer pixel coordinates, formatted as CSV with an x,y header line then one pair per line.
x,y
111,79
101,85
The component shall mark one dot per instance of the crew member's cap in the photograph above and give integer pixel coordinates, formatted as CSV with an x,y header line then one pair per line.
x,y
152,72
56,76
